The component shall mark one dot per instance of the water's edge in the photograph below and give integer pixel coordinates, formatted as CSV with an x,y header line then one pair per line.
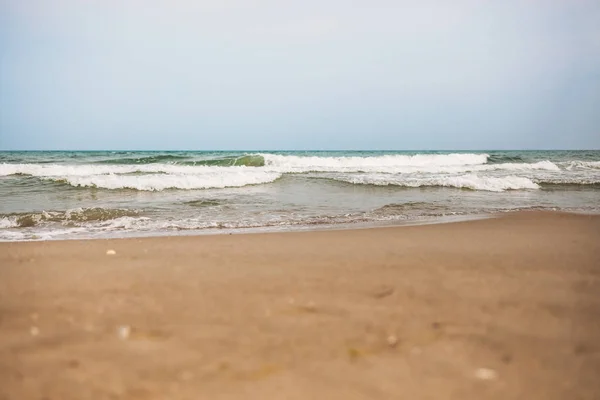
x,y
439,220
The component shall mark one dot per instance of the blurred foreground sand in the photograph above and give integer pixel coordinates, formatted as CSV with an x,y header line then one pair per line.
x,y
506,308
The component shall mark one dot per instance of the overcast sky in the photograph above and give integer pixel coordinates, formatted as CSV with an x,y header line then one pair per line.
x,y
311,74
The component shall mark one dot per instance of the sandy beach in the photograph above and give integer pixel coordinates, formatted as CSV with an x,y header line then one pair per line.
x,y
503,308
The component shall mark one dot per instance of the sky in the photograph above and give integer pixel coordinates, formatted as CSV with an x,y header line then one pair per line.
x,y
303,75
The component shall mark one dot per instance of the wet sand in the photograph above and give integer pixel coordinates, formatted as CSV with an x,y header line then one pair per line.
x,y
505,308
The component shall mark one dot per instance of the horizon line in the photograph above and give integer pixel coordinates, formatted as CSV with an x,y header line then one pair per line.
x,y
287,150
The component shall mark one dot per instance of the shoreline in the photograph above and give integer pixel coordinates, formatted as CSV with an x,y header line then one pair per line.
x,y
494,308
420,221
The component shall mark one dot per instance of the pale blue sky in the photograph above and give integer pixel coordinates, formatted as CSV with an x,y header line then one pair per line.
x,y
313,74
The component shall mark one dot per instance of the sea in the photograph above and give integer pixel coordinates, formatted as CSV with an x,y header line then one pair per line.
x,y
107,194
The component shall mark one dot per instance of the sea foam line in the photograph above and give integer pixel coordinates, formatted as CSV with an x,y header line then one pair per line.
x,y
468,181
163,182
286,164
397,160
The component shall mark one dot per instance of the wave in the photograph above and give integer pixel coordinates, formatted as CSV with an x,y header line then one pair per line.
x,y
214,180
241,161
504,158
469,181
287,164
313,163
569,181
292,161
540,165
228,161
460,170
50,170
73,216
144,160
53,170
204,203
575,164
394,164
402,209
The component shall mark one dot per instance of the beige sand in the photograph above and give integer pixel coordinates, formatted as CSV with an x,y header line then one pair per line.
x,y
507,308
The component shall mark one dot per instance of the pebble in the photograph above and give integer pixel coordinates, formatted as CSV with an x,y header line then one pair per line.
x,y
110,252
34,331
392,340
486,374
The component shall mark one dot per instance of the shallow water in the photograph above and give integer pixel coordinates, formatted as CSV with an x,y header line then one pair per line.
x,y
60,195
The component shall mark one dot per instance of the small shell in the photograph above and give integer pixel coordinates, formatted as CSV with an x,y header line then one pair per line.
x,y
110,252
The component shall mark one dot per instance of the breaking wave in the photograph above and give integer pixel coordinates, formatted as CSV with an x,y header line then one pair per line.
x,y
469,181
570,165
226,161
53,170
145,160
289,164
314,163
152,177
271,162
215,180
476,171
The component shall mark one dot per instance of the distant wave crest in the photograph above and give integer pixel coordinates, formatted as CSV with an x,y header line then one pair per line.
x,y
315,163
476,171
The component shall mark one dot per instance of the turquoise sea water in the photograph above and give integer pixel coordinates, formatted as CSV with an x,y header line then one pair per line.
x,y
58,195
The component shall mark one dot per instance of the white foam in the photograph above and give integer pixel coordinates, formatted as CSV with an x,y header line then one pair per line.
x,y
469,181
447,163
570,180
29,234
219,179
124,223
158,176
273,163
541,165
569,165
398,164
313,163
15,236
8,222
48,170
438,168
